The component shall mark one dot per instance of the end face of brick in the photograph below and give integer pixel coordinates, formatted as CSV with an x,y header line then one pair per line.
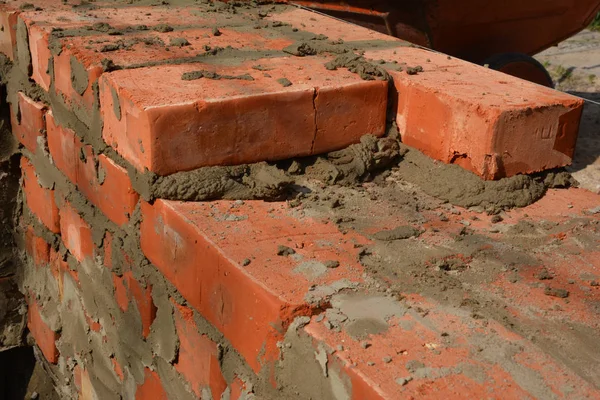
x,y
490,123
40,200
30,123
44,336
238,305
75,232
198,358
105,183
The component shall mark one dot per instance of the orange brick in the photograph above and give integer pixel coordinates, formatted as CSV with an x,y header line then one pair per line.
x,y
44,336
487,122
39,199
37,248
152,388
201,253
86,49
166,126
410,339
94,326
143,47
108,187
198,356
59,267
238,389
121,292
77,377
143,300
128,288
8,34
31,123
115,197
39,48
75,232
107,247
117,368
40,25
65,148
490,123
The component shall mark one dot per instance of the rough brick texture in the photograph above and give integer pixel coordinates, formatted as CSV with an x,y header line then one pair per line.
x,y
490,123
75,232
44,336
166,128
28,123
102,181
198,356
40,200
165,299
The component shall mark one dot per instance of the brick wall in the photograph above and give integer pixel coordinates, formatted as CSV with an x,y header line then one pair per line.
x,y
137,297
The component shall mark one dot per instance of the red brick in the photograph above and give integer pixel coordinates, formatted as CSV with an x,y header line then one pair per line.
x,y
31,123
39,199
117,368
44,336
166,126
113,195
59,267
152,388
94,326
37,248
8,34
77,377
490,123
90,54
41,23
143,300
487,122
201,253
75,232
107,247
39,27
238,389
39,48
198,358
128,288
121,292
410,338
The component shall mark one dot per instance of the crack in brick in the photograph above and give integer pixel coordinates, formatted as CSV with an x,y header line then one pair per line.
x,y
314,104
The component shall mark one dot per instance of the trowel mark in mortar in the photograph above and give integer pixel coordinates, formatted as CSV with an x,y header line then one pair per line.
x,y
311,269
367,314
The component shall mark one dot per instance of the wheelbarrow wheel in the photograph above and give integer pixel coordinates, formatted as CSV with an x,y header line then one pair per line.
x,y
522,66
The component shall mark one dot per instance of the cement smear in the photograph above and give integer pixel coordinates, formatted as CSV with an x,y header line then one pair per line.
x,y
455,185
244,182
371,158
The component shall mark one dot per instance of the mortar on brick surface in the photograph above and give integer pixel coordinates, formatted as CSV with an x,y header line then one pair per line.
x,y
370,159
185,192
338,171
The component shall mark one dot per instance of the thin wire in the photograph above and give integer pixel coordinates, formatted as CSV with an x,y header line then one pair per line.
x,y
414,45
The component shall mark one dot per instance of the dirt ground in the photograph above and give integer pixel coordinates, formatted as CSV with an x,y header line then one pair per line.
x,y
575,66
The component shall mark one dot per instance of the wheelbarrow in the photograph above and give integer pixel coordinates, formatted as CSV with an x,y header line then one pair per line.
x,y
501,34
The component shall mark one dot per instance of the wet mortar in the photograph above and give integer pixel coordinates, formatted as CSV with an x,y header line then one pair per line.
x,y
338,184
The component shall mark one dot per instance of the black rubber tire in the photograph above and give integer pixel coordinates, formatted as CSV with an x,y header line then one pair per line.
x,y
499,62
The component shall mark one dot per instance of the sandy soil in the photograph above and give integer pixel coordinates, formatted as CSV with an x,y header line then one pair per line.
x,y
575,66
